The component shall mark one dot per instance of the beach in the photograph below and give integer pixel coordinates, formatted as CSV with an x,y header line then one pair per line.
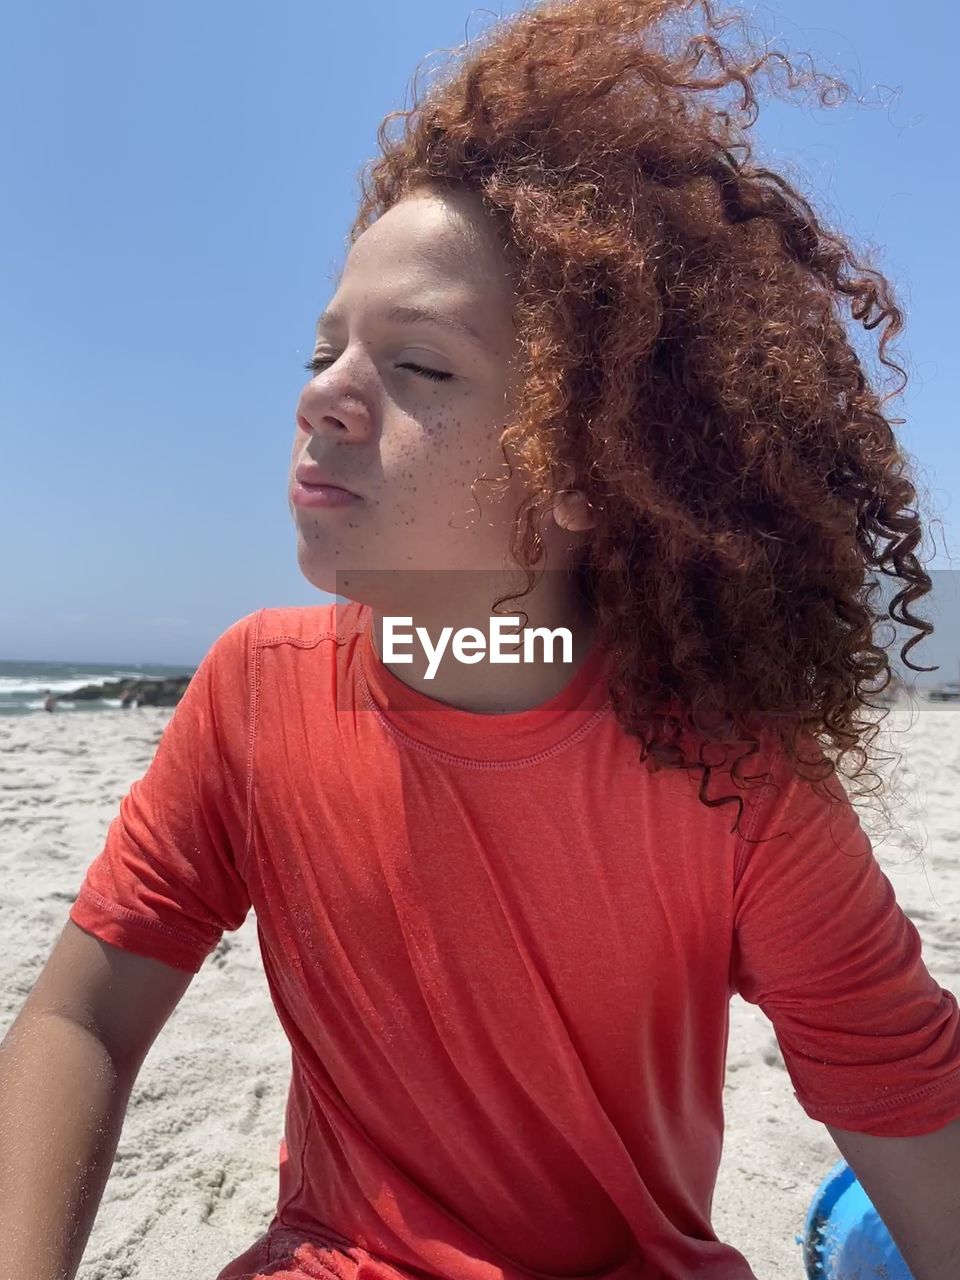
x,y
195,1177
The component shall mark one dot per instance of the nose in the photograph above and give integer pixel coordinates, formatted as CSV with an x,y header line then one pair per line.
x,y
326,408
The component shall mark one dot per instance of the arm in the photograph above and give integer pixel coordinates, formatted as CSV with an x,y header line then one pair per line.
x,y
68,1064
870,1040
914,1184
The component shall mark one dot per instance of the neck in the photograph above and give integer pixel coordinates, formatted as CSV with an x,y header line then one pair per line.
x,y
437,668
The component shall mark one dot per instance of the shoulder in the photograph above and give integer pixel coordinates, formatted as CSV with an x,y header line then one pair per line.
x,y
274,655
240,646
305,656
303,625
306,626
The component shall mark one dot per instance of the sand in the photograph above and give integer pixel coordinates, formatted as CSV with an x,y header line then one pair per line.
x,y
195,1178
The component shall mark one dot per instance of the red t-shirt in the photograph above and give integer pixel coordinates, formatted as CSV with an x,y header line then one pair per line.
x,y
503,952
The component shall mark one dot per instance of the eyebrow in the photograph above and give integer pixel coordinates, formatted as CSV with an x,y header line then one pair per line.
x,y
417,315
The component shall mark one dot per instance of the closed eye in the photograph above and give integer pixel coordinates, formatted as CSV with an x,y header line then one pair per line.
x,y
321,362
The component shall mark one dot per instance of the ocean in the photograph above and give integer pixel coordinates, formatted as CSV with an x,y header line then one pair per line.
x,y
25,685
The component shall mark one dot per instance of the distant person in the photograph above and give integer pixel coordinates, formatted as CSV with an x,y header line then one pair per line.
x,y
128,698
50,701
502,919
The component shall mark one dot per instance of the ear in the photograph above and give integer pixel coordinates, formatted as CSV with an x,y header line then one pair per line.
x,y
572,511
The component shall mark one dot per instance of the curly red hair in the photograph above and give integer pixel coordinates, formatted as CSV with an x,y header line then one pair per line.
x,y
679,313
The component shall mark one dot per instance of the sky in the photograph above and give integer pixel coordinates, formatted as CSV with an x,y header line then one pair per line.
x,y
179,181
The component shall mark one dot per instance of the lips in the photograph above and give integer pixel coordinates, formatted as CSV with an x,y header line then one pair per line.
x,y
314,475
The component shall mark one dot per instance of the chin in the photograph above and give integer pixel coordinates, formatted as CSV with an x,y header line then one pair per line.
x,y
321,575
329,573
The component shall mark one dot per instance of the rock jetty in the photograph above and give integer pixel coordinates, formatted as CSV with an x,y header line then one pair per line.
x,y
138,693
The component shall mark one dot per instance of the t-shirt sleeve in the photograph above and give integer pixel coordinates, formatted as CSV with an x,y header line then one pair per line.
x,y
870,1040
169,881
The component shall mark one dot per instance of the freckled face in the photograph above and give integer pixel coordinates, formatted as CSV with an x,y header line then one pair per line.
x,y
373,420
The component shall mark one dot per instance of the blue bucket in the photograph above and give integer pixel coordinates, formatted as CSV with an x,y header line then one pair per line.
x,y
844,1236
